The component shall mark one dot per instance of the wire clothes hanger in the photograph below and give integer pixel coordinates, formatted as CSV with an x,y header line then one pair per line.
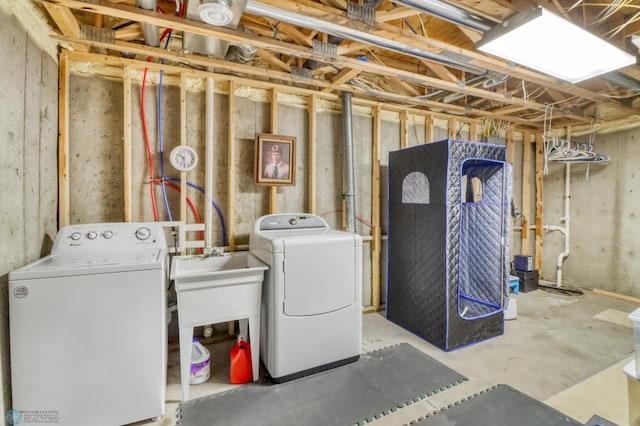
x,y
562,150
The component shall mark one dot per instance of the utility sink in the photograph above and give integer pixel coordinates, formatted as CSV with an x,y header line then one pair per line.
x,y
217,289
215,267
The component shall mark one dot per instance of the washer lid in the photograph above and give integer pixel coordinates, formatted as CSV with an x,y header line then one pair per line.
x,y
93,263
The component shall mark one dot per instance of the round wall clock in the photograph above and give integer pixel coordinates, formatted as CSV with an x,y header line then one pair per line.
x,y
183,158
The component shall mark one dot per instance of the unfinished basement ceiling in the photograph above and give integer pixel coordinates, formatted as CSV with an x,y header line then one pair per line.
x,y
389,51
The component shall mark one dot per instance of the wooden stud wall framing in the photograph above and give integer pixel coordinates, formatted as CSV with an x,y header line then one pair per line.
x,y
428,129
404,130
127,170
526,192
63,141
539,200
312,153
312,97
273,190
376,245
231,173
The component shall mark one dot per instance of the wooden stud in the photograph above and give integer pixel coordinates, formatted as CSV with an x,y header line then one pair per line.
x,y
404,129
231,173
539,200
526,191
510,145
375,210
63,141
312,153
473,131
127,167
451,128
428,128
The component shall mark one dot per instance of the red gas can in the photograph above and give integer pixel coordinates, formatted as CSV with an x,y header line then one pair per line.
x,y
241,371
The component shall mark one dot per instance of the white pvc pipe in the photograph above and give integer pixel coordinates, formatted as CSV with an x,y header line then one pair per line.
x,y
208,173
567,223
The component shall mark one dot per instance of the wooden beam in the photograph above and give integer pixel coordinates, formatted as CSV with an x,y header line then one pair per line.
x,y
343,76
539,201
273,60
404,130
311,111
399,12
63,141
473,131
66,22
526,192
231,171
510,145
376,243
451,128
127,169
428,129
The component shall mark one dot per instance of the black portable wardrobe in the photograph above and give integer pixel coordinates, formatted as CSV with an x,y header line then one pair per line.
x,y
449,241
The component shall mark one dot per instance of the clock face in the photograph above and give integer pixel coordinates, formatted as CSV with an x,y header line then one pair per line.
x,y
184,158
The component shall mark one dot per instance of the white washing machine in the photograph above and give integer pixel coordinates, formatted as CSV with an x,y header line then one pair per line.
x,y
311,314
88,328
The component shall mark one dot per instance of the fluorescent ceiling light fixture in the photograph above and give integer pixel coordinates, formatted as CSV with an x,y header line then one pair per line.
x,y
544,41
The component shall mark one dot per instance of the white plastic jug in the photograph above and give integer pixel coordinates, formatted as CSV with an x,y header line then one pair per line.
x,y
200,363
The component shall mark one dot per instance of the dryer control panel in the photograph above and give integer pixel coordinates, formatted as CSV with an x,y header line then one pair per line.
x,y
275,222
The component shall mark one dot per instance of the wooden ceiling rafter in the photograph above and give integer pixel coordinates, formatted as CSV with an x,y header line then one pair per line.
x,y
406,78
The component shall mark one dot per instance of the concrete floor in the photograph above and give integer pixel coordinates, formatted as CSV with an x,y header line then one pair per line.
x,y
563,349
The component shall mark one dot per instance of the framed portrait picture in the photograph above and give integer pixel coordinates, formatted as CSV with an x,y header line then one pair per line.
x,y
275,159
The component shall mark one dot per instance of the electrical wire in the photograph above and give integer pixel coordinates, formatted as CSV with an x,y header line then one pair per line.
x,y
148,146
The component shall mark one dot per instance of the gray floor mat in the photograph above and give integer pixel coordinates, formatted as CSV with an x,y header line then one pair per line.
x,y
498,406
379,382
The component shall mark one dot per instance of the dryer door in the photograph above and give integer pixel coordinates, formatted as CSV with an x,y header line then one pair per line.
x,y
319,274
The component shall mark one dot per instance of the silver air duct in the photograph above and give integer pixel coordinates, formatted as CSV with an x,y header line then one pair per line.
x,y
150,32
450,13
260,9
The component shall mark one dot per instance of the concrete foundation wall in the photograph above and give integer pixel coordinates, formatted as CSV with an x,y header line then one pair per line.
x,y
605,218
28,164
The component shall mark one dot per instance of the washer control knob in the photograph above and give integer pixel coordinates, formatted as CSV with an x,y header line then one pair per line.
x,y
92,235
143,233
107,235
76,236
293,222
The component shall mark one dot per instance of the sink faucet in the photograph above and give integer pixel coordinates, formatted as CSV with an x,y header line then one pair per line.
x,y
214,252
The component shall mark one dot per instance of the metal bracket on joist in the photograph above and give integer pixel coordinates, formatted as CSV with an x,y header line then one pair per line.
x,y
105,35
328,50
301,73
362,13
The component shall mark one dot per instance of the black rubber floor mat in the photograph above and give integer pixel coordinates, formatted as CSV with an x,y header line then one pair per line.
x,y
379,382
498,406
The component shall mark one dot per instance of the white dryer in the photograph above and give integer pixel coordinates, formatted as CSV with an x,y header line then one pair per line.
x,y
311,316
88,328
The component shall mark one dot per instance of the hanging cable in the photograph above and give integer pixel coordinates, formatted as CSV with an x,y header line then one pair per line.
x,y
148,146
167,33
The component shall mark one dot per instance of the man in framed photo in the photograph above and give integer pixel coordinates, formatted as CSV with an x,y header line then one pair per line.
x,y
277,168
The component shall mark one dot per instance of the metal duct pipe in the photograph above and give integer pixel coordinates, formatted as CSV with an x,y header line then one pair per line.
x,y
349,168
150,32
260,9
450,13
